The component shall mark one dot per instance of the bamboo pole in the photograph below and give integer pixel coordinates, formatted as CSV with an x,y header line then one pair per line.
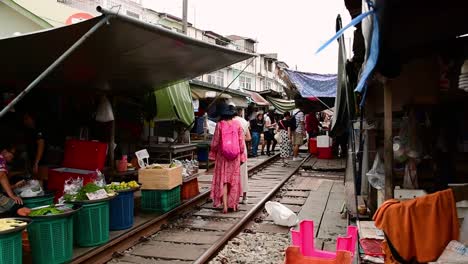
x,y
388,142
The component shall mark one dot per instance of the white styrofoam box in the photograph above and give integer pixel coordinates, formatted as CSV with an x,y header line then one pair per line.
x,y
323,142
407,194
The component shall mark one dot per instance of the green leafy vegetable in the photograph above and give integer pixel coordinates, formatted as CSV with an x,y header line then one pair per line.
x,y
51,210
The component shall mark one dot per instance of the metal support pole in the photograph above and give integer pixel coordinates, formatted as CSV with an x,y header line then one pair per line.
x,y
53,65
184,16
388,142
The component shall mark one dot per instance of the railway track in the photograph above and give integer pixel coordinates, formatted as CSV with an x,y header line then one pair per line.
x,y
195,231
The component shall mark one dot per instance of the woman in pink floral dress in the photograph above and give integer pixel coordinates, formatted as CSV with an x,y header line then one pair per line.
x,y
226,186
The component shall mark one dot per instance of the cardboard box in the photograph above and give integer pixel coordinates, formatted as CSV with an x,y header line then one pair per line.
x,y
160,179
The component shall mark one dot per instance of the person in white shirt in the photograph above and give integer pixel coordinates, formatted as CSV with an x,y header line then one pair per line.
x,y
243,168
299,133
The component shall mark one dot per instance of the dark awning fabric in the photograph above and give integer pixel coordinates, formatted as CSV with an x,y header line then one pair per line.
x,y
313,85
125,56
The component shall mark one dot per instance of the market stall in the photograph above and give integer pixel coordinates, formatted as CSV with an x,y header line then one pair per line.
x,y
93,61
409,140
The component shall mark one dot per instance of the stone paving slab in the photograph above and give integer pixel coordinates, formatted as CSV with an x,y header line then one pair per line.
x,y
181,236
304,194
216,213
129,259
293,200
164,250
207,225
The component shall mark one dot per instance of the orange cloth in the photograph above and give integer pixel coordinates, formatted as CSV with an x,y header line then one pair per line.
x,y
419,228
294,256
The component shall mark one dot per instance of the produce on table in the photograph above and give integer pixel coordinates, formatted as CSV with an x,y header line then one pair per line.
x,y
88,188
122,186
50,210
7,224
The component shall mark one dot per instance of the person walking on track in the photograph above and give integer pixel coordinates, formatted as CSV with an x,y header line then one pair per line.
x,y
243,169
227,148
284,130
256,126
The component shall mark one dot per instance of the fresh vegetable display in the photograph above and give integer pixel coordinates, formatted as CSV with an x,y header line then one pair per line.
x,y
7,224
88,188
122,186
50,210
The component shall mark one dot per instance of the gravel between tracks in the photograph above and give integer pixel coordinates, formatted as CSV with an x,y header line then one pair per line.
x,y
256,248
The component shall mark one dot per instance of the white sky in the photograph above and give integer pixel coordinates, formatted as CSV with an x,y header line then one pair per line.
x,y
294,29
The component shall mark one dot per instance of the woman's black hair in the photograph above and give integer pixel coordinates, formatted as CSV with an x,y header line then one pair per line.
x,y
286,114
7,146
226,117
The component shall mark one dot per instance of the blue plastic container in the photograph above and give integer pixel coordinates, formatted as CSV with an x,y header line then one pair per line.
x,y
121,211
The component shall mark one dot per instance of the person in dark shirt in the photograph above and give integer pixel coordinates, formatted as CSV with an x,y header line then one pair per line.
x,y
36,146
256,127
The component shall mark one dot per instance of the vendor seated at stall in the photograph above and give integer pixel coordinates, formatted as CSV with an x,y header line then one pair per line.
x,y
9,201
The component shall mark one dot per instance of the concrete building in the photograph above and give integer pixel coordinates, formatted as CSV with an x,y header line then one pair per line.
x,y
18,20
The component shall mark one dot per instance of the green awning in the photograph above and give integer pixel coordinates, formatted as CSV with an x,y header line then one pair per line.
x,y
282,105
175,103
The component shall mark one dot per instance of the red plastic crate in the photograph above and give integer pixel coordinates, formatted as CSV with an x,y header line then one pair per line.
x,y
81,160
189,189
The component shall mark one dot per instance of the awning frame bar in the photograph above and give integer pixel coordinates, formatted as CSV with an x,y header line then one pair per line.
x,y
54,65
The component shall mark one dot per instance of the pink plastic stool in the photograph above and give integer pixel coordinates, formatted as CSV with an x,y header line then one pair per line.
x,y
304,238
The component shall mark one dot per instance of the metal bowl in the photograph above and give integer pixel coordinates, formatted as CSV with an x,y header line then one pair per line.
x,y
66,212
46,194
94,201
18,228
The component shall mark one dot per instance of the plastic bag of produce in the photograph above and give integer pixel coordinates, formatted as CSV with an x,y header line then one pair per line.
x,y
32,188
376,175
100,179
281,215
71,188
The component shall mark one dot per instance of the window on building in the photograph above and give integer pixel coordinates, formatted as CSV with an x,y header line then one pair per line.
x,y
270,66
133,14
245,82
268,85
216,78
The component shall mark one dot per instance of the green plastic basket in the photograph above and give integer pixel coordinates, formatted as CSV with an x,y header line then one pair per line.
x,y
92,224
51,240
11,248
40,201
160,201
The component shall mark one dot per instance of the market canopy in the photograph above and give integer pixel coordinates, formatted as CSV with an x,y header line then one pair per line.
x,y
258,99
313,85
282,105
123,56
175,103
203,90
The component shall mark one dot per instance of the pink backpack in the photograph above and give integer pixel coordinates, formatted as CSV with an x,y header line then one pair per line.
x,y
230,148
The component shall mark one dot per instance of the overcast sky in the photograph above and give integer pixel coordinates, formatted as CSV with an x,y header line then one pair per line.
x,y
294,29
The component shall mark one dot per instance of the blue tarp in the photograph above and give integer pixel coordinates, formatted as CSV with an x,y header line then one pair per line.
x,y
313,85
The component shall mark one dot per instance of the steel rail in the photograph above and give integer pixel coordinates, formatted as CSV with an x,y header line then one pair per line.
x,y
130,238
237,228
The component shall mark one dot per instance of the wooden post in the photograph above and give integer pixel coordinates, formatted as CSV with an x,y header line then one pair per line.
x,y
388,141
